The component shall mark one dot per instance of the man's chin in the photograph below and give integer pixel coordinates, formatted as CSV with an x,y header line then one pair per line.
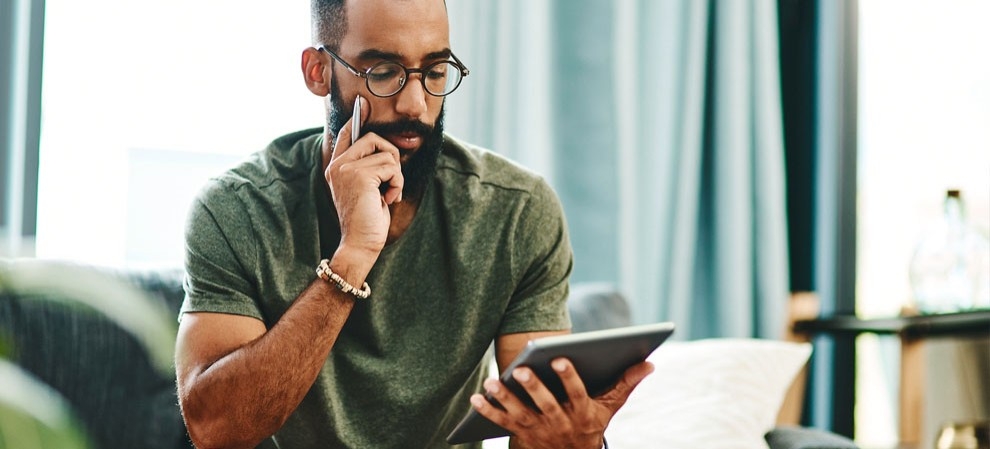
x,y
419,166
407,153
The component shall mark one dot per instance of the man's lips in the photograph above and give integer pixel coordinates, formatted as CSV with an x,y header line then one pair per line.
x,y
406,142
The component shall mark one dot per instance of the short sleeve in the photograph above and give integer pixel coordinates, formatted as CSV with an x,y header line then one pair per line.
x,y
219,255
545,260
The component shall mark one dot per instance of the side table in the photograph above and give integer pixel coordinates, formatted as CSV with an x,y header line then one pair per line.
x,y
912,331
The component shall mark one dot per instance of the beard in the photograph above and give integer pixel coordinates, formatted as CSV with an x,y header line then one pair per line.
x,y
421,166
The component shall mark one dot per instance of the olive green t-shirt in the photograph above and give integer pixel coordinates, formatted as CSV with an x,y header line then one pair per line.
x,y
486,254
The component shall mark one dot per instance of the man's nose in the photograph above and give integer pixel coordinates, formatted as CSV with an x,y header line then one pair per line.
x,y
411,101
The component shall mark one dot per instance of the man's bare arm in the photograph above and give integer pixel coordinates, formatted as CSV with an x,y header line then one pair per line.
x,y
509,346
238,383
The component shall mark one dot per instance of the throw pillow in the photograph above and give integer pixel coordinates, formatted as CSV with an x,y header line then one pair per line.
x,y
715,393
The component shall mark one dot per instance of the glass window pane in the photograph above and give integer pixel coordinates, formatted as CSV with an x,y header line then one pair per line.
x,y
924,111
130,82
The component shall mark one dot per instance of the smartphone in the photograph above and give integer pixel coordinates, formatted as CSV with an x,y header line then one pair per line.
x,y
356,121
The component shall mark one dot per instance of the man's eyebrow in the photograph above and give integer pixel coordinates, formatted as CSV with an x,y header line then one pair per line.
x,y
372,54
442,54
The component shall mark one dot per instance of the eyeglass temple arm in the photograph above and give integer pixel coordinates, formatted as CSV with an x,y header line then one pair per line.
x,y
464,69
341,61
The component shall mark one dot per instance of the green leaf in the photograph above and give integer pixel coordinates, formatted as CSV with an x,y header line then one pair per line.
x,y
32,415
125,304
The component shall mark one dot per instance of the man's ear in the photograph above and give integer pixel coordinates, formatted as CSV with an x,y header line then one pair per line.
x,y
314,72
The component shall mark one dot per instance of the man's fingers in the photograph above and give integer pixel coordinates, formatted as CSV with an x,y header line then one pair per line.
x,y
630,379
545,401
577,393
505,397
371,151
394,191
490,411
367,154
369,144
342,142
379,168
634,375
514,415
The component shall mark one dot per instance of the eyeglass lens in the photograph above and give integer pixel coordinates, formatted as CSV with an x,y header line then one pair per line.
x,y
386,78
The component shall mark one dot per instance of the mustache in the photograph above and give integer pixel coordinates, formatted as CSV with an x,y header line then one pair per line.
x,y
398,127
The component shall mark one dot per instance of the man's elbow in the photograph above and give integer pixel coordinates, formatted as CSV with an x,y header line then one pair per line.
x,y
211,430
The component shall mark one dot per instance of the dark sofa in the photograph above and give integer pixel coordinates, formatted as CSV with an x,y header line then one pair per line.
x,y
123,402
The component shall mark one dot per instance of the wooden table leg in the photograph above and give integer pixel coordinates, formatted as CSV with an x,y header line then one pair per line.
x,y
912,390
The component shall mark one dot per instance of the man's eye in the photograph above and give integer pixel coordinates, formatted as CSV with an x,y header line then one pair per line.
x,y
384,72
438,72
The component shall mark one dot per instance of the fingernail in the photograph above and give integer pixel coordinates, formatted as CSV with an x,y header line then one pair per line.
x,y
521,374
491,386
559,365
477,401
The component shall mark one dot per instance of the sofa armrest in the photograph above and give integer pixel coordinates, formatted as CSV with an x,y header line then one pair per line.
x,y
595,306
163,284
101,369
792,437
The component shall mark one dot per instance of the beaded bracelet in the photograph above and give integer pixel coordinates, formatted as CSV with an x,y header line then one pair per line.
x,y
325,273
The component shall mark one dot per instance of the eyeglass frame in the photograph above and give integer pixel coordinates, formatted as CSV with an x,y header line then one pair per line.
x,y
408,71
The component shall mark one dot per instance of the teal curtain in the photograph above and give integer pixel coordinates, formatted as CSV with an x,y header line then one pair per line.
x,y
22,24
658,122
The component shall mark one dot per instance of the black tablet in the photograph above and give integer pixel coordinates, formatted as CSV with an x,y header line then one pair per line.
x,y
600,357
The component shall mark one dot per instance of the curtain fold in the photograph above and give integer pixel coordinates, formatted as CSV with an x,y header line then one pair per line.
x,y
22,26
658,123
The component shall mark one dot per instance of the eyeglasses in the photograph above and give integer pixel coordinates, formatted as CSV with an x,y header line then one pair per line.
x,y
387,78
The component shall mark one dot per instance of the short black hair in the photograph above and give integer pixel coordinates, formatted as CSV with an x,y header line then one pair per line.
x,y
329,22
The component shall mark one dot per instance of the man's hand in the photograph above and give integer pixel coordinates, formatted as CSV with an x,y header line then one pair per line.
x,y
355,174
578,423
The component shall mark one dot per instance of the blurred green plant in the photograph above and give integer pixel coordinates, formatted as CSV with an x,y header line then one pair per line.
x,y
33,415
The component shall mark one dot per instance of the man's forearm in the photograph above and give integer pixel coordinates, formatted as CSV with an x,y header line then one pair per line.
x,y
246,395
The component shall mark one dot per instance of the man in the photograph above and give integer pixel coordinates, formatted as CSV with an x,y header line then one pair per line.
x,y
461,247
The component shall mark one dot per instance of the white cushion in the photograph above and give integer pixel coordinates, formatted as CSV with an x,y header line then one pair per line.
x,y
715,393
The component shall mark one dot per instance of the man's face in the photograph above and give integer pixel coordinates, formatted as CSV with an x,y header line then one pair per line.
x,y
418,166
413,33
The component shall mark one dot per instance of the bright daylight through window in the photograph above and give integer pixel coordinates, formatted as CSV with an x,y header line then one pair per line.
x,y
924,128
140,110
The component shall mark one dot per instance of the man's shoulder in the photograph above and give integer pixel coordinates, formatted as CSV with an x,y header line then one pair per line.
x,y
463,159
288,159
305,137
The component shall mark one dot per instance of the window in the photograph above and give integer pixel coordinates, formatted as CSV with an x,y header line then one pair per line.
x,y
924,110
143,101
